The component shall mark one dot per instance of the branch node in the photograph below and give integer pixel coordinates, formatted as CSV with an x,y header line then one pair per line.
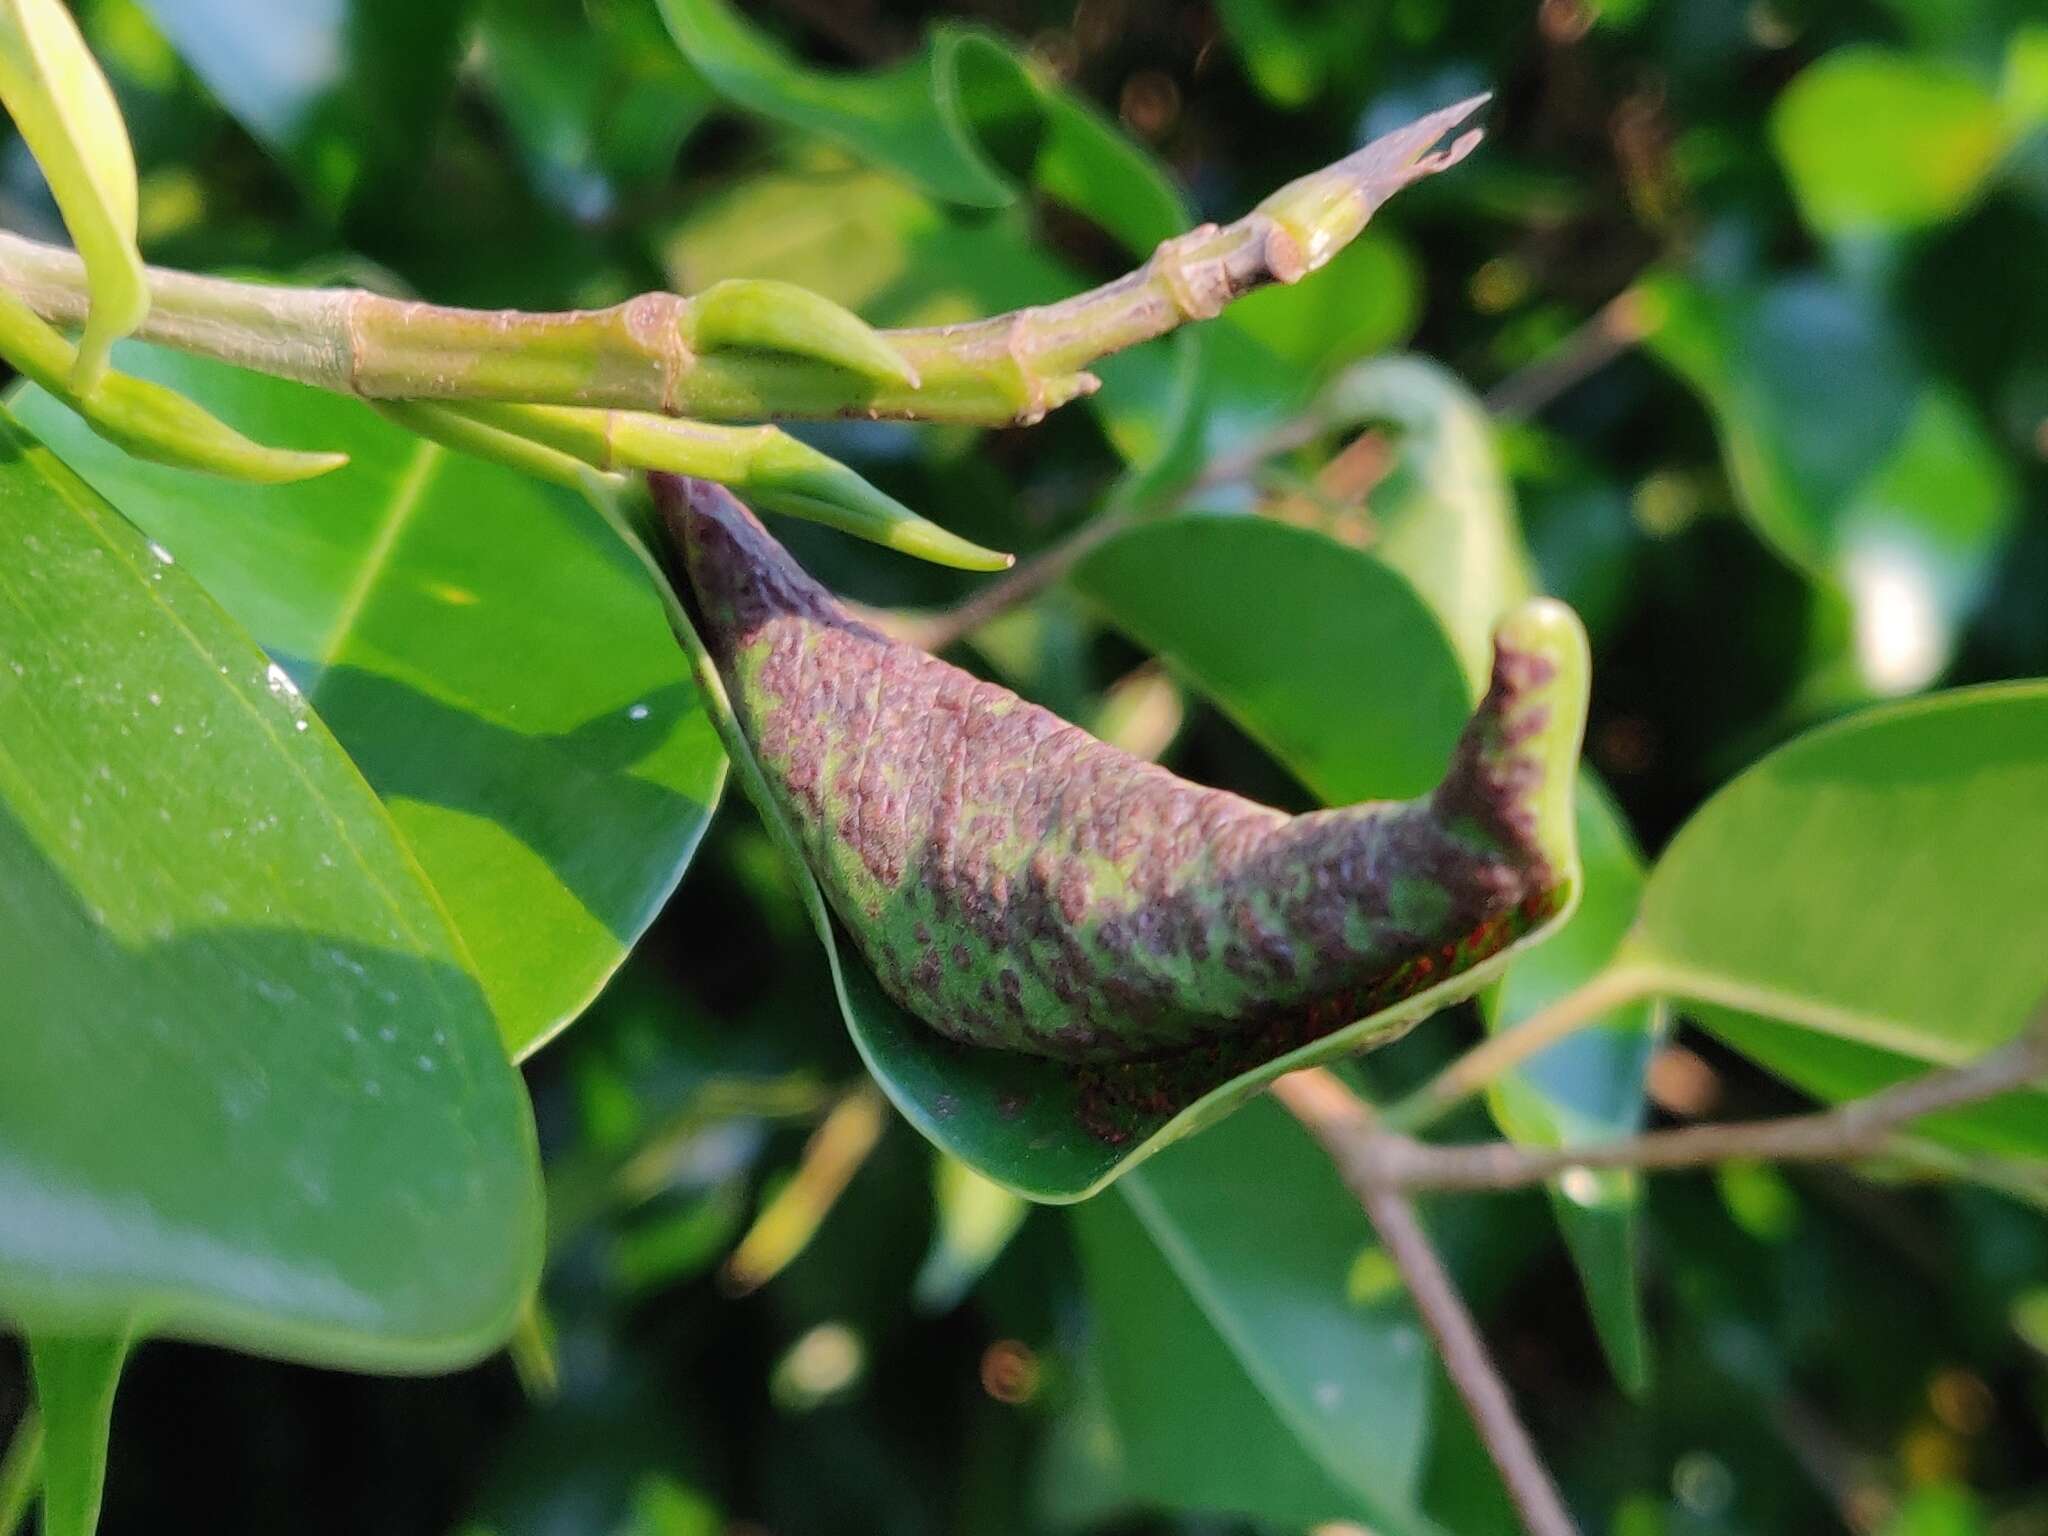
x,y
1198,285
655,322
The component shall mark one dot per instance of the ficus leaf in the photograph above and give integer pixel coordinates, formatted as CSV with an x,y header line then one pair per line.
x,y
1286,1375
305,1135
1879,139
1866,903
960,120
1444,518
66,114
500,675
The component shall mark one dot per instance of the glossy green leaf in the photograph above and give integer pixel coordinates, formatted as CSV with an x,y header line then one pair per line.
x,y
1867,902
1290,51
494,663
1224,1314
75,1382
956,120
1277,624
1444,518
66,114
597,97
1850,461
1057,141
1589,1086
897,117
866,240
254,1093
344,94
1876,139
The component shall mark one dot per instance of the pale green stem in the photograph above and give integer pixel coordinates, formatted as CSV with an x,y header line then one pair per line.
x,y
532,1348
638,355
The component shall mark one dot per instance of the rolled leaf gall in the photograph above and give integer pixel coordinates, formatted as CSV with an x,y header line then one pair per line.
x,y
1019,885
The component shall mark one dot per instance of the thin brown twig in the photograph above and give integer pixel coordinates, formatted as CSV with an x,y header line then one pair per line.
x,y
1614,328
1344,1127
1032,577
1858,1129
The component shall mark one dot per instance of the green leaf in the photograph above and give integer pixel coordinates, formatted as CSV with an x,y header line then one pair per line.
x,y
597,98
75,1381
1290,51
1057,141
345,94
1851,462
1445,518
253,1093
1589,1086
1939,1509
66,114
1875,139
492,660
1259,1356
1275,623
865,240
952,120
1865,903
1365,300
897,117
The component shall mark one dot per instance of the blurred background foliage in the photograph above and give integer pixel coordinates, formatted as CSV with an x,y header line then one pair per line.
x,y
1746,300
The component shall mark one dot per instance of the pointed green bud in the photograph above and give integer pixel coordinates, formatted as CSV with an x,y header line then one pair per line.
x,y
794,478
781,317
161,425
144,418
65,111
1321,213
764,464
770,467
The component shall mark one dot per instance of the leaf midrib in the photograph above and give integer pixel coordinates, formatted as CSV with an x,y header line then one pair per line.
x,y
408,495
